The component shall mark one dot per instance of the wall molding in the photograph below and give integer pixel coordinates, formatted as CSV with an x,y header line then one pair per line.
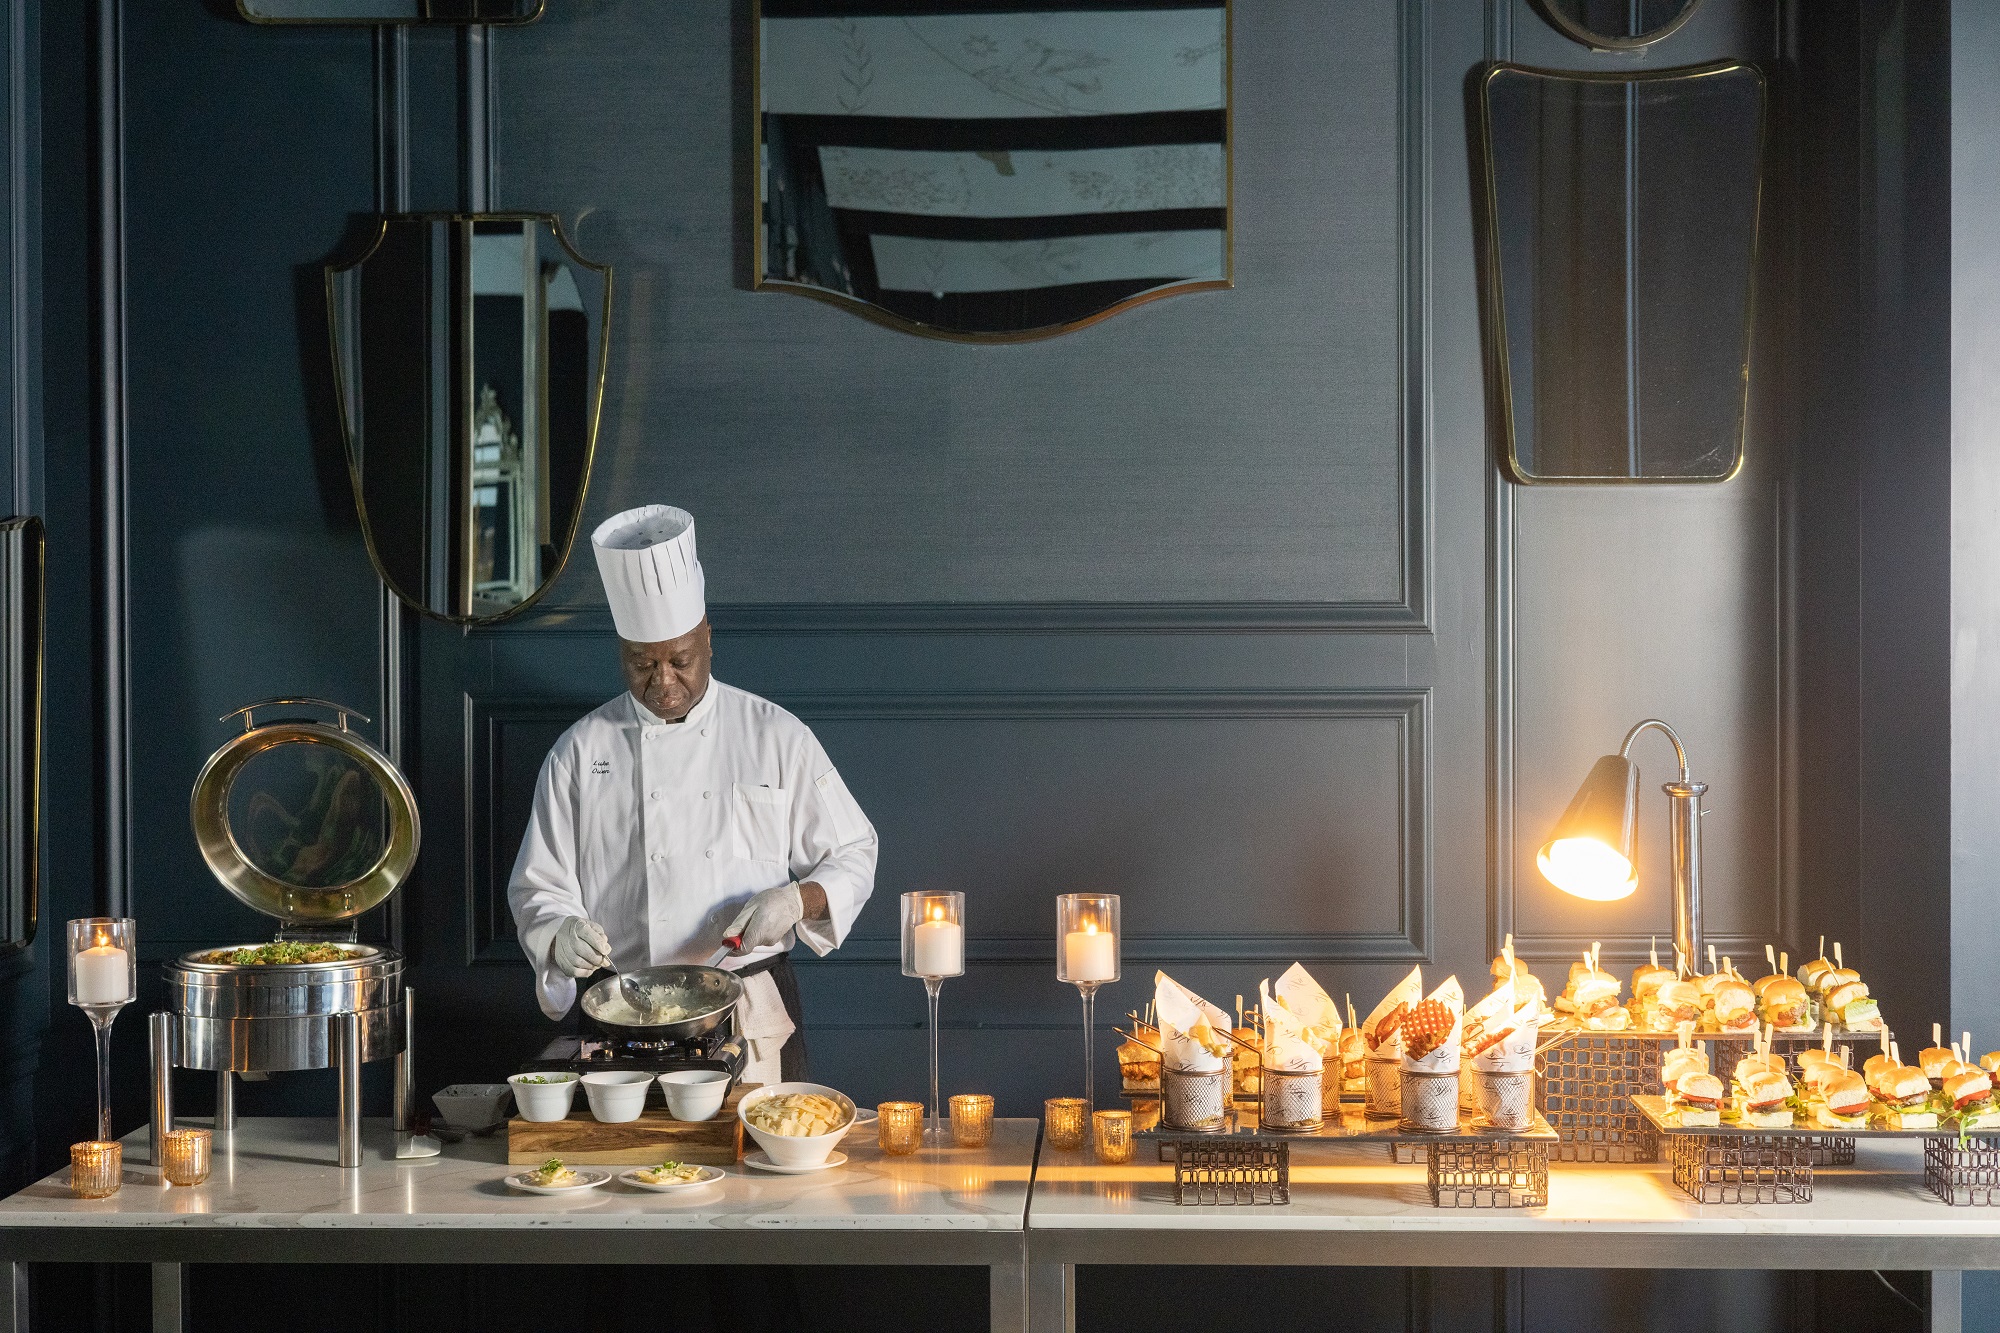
x,y
114,666
489,930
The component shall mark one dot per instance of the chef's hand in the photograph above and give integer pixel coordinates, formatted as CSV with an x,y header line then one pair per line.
x,y
767,918
580,947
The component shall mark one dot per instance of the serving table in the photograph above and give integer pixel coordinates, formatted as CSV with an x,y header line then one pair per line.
x,y
1351,1206
276,1196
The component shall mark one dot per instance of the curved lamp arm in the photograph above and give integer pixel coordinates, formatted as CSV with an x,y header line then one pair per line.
x,y
1680,751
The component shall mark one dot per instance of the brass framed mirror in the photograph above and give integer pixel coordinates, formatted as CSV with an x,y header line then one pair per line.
x,y
304,821
416,12
1619,221
986,173
1617,25
469,355
23,558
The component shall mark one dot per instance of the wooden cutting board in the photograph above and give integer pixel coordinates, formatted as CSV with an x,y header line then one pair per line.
x,y
651,1139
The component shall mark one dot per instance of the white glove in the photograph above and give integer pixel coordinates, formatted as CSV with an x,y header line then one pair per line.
x,y
767,918
579,948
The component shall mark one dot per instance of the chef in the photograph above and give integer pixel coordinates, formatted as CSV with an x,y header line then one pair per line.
x,y
686,812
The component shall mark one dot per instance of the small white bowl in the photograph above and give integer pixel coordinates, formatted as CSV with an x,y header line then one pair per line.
x,y
473,1105
695,1095
797,1150
617,1096
549,1100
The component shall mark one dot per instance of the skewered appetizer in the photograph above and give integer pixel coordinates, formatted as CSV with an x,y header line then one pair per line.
x,y
1353,1059
1139,1066
1246,1073
1758,1062
1849,1004
1936,1062
1676,1003
1592,999
1782,1003
1843,1101
1647,979
1903,1096
1732,1008
1875,1064
1811,972
1528,993
1697,1101
1971,1096
1679,1062
1766,1101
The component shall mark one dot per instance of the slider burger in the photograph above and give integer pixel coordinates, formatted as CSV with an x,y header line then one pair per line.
x,y
1821,1074
1698,1101
1679,1062
1757,1063
1734,1008
1875,1064
1904,1095
1834,978
1353,1055
1527,986
1647,978
1676,1003
1593,998
1429,1023
1936,1062
1971,1095
1782,1003
1843,1101
1764,1101
1990,1062
1849,1004
1810,973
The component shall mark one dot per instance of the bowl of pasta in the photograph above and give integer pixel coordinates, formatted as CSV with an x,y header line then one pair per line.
x,y
797,1124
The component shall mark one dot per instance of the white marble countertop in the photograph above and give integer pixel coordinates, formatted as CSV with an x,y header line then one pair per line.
x,y
277,1177
1351,1205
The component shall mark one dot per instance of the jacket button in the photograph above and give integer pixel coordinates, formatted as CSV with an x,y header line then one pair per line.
x,y
659,856
710,853
704,796
657,794
704,731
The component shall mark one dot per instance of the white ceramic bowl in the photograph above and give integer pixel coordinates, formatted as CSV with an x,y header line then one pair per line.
x,y
796,1149
617,1096
695,1094
473,1105
543,1101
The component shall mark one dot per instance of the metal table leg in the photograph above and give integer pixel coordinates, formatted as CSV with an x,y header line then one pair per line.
x,y
1052,1298
1007,1298
1947,1300
14,1300
169,1298
225,1101
347,1059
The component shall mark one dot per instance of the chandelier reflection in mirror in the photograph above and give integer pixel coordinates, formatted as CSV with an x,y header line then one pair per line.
x,y
966,172
470,354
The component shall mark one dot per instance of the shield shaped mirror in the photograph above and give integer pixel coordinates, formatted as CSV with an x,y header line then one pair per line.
x,y
469,351
1618,25
969,172
1621,241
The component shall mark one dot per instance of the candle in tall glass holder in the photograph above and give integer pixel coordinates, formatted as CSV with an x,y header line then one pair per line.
x,y
933,949
103,978
1087,957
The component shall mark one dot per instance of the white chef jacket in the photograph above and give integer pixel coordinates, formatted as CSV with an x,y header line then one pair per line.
x,y
660,832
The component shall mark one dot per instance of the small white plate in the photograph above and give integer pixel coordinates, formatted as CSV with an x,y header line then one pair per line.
x,y
591,1180
757,1161
709,1175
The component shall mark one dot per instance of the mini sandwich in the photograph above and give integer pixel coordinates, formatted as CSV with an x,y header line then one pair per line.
x,y
1936,1062
1679,1062
1971,1095
1591,995
1734,1008
1528,991
1844,1102
1676,1003
1139,1067
1709,983
1698,1101
1821,1074
1875,1064
1904,1095
1782,1004
1762,984
1757,1063
1647,978
1810,973
1764,1101
1833,979
1353,1056
1850,1005
1990,1062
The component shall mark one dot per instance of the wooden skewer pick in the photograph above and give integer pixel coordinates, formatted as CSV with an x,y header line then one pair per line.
x,y
1937,1034
1687,1033
1895,1056
1680,965
1826,1036
1838,961
1955,1055
1846,1057
1711,960
1728,968
1822,946
1654,952
1771,957
1784,963
1239,1011
1966,1039
1596,949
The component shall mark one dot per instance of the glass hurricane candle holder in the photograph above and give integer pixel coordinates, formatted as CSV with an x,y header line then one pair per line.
x,y
95,1169
103,978
1087,957
934,948
1065,1121
184,1156
1113,1132
971,1119
899,1127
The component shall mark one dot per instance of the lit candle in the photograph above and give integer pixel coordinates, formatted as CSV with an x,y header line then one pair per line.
x,y
1089,954
939,947
103,975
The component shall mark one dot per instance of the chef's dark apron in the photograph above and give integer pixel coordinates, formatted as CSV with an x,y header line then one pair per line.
x,y
791,1056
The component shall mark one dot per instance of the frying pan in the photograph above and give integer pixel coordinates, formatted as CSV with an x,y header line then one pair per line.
x,y
704,994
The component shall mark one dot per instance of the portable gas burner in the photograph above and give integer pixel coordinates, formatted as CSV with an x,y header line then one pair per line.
x,y
717,1048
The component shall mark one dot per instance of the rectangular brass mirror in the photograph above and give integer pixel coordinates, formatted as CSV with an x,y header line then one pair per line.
x,y
1621,238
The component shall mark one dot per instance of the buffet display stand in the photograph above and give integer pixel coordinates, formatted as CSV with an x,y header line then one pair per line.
x,y
276,1196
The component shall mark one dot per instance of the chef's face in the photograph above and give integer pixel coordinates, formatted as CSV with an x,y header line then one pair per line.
x,y
668,677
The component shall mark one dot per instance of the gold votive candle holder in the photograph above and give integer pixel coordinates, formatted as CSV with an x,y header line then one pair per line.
x,y
1113,1133
971,1119
899,1127
184,1156
95,1168
1065,1121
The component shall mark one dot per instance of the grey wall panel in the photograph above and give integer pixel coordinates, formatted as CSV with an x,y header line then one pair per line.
x,y
829,460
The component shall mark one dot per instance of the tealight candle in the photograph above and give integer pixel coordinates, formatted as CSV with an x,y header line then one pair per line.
x,y
1089,954
939,948
95,1168
104,975
971,1119
1113,1132
184,1156
900,1127
1065,1121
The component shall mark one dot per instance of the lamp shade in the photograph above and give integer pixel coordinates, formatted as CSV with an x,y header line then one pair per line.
x,y
1593,852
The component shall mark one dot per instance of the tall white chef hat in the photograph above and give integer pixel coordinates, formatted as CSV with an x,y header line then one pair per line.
x,y
651,577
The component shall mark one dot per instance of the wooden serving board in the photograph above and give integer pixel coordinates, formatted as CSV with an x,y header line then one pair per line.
x,y
651,1139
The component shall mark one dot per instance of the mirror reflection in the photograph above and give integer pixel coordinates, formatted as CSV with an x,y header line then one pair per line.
x,y
1621,243
470,354
967,172
390,11
307,815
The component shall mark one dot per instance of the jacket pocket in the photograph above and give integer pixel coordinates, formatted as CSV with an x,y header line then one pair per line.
x,y
760,823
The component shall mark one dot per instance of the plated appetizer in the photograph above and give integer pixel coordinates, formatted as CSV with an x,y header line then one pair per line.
x,y
556,1177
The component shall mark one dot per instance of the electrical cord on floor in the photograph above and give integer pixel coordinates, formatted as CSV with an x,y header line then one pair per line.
x,y
1897,1292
